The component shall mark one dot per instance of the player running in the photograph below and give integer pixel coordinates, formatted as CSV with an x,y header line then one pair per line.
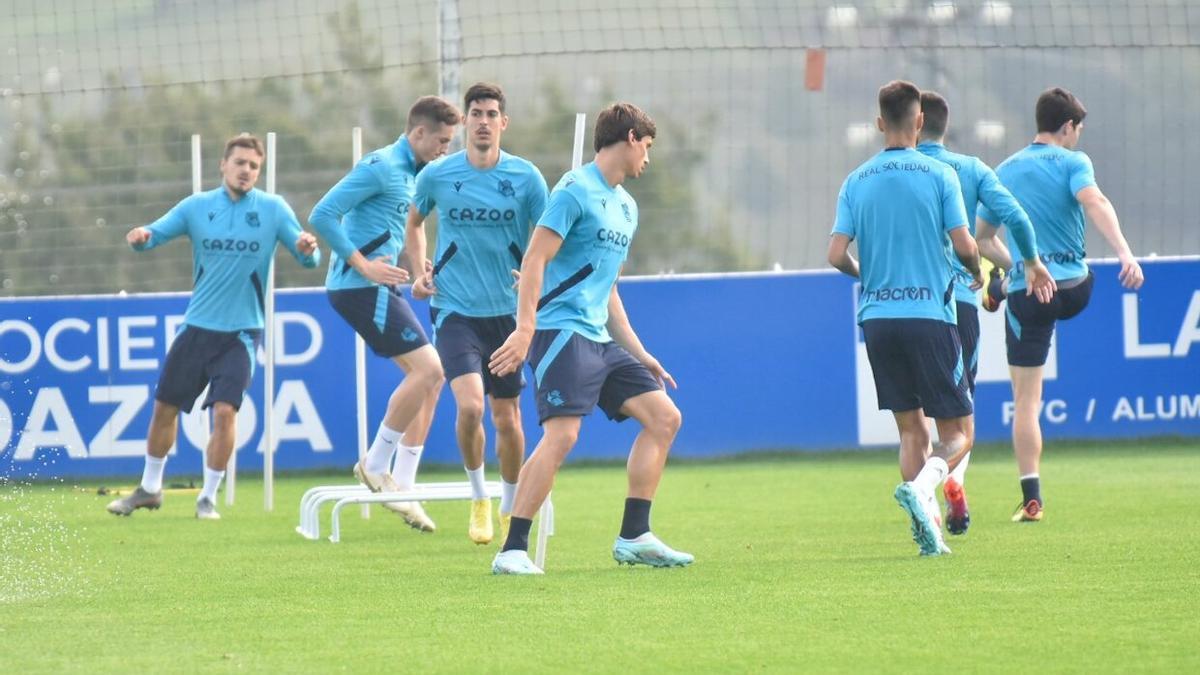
x,y
979,186
234,230
487,202
901,206
362,218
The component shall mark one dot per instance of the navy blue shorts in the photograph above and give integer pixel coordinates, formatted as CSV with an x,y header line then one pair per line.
x,y
382,317
1030,324
917,363
574,373
968,337
465,345
199,357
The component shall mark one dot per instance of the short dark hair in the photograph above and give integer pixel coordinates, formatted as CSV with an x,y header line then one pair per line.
x,y
898,102
244,141
432,110
614,123
483,91
1056,107
937,114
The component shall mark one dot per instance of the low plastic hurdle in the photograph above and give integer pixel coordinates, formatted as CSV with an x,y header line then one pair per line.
x,y
344,495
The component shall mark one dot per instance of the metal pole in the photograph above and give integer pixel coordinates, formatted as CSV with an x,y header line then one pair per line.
x,y
269,348
360,347
546,512
197,187
449,56
580,132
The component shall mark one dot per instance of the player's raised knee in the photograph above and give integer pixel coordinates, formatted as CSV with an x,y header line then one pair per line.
x,y
666,420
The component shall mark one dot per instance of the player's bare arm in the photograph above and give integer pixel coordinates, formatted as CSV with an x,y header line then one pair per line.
x,y
414,253
968,254
839,255
624,335
1102,214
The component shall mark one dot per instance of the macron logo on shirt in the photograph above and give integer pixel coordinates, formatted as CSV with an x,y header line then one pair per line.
x,y
898,294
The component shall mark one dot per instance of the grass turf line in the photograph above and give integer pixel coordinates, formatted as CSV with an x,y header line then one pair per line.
x,y
802,564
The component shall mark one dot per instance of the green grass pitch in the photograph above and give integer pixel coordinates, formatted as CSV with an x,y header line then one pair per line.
x,y
803,563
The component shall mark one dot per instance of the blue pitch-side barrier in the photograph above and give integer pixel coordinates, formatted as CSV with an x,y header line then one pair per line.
x,y
764,361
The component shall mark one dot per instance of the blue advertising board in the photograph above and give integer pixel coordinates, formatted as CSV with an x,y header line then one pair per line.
x,y
763,361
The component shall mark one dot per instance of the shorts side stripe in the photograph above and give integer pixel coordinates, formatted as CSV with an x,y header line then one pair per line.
x,y
1012,322
560,341
381,307
248,343
958,369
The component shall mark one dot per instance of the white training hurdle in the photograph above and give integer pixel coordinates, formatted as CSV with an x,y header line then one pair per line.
x,y
343,495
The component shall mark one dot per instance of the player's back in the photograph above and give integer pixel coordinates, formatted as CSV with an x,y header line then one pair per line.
x,y
1045,179
898,206
967,168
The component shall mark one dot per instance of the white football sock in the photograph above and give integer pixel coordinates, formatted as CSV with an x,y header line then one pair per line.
x,y
379,457
959,474
507,495
212,482
932,474
152,474
478,491
404,471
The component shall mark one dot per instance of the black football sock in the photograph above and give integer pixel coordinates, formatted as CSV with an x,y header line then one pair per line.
x,y
518,534
637,518
1032,489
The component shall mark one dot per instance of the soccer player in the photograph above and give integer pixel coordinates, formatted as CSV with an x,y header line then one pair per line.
x,y
234,230
583,350
979,185
487,202
900,206
1056,186
362,218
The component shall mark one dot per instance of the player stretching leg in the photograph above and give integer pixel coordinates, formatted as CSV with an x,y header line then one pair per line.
x,y
583,350
1056,186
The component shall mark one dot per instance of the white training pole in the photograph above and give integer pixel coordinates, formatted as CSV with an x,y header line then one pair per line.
x,y
546,513
197,187
269,347
577,149
360,347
